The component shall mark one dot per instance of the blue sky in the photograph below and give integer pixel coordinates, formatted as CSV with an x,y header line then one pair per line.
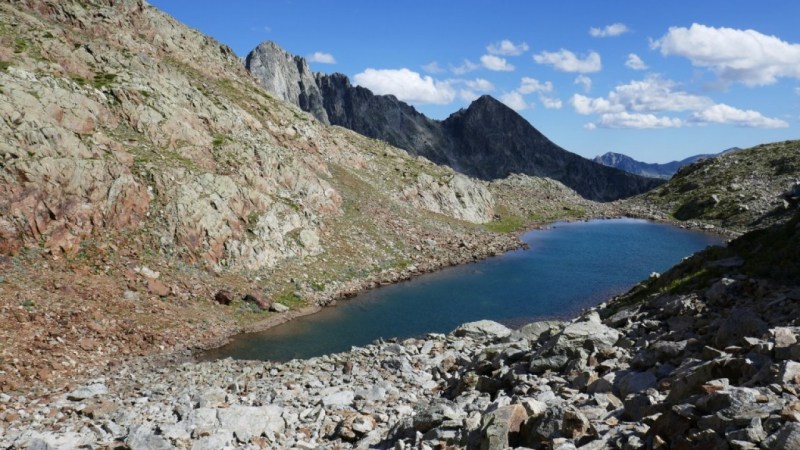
x,y
656,80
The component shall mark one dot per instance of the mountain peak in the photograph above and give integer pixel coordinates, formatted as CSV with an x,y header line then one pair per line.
x,y
286,76
487,139
486,101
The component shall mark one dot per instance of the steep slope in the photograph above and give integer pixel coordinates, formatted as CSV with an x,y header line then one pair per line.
x,y
468,141
652,170
148,186
737,191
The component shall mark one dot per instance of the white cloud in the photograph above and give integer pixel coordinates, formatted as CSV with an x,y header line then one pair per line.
x,y
433,67
744,56
468,95
480,84
797,90
590,126
406,85
507,48
551,103
641,104
725,114
322,58
635,63
652,94
585,105
465,67
614,29
473,89
496,63
514,100
584,81
566,61
529,85
636,120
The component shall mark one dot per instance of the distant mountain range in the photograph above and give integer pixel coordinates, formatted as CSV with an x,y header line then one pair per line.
x,y
653,170
487,140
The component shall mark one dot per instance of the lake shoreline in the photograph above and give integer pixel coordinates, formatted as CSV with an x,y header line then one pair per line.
x,y
359,287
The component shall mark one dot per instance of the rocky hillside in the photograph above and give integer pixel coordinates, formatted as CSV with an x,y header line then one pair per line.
x,y
487,140
737,191
705,356
150,190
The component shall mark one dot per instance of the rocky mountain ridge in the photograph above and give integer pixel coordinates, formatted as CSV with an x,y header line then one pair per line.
x,y
487,140
652,170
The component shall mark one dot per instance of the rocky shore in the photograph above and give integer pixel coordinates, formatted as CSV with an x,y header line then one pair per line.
x,y
706,355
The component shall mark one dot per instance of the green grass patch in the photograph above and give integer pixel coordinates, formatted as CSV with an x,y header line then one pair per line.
x,y
104,79
219,140
4,65
289,298
20,45
506,224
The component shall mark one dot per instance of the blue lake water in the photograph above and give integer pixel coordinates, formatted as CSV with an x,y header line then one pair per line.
x,y
568,267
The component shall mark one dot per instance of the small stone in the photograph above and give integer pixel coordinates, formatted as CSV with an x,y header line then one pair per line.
x,y
89,391
341,398
158,288
258,299
142,437
278,308
575,424
100,410
224,297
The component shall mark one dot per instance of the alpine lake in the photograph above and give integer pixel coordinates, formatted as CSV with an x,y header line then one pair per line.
x,y
567,267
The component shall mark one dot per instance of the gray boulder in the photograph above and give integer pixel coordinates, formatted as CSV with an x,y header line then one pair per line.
x,y
88,391
144,438
482,329
787,437
501,427
634,382
536,331
246,421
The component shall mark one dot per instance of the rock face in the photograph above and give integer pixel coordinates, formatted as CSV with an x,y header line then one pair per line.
x,y
488,140
459,196
287,77
653,170
646,370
